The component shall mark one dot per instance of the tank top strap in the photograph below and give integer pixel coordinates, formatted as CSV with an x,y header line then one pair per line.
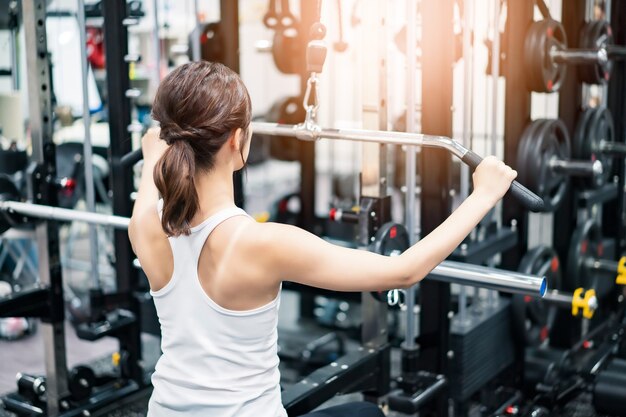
x,y
201,232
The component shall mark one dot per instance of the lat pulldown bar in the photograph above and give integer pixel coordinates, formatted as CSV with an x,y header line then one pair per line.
x,y
312,132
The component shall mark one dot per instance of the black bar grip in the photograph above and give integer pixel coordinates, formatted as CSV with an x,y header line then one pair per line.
x,y
529,199
131,158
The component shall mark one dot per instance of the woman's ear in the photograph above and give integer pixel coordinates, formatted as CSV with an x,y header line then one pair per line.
x,y
236,140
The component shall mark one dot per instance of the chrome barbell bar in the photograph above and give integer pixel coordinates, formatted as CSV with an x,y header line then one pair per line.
x,y
447,271
61,214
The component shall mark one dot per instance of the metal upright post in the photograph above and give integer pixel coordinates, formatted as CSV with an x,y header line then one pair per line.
x,y
116,47
90,195
467,122
374,161
157,43
410,174
195,41
306,150
13,30
43,191
374,333
566,329
436,202
516,115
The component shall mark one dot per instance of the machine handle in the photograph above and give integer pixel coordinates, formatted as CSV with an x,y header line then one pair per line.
x,y
529,199
131,158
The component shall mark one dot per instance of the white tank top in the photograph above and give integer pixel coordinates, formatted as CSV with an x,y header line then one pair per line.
x,y
216,362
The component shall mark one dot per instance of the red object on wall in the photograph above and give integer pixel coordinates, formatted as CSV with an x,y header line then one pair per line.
x,y
95,47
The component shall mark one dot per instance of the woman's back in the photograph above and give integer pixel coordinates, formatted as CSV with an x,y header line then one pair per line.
x,y
215,361
215,283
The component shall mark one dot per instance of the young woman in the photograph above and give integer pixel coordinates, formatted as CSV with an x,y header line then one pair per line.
x,y
216,274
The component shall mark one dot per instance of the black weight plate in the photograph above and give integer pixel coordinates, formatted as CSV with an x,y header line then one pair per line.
x,y
287,110
81,380
530,61
543,74
585,72
596,34
587,243
589,73
600,129
543,140
391,239
533,318
554,73
580,134
555,144
526,141
584,135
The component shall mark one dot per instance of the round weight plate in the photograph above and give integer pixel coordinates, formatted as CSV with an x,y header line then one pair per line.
x,y
586,243
390,240
596,34
286,48
600,129
533,317
526,146
543,140
287,110
544,75
81,381
524,176
581,139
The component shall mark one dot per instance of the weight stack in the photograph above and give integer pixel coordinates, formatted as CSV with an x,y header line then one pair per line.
x,y
483,347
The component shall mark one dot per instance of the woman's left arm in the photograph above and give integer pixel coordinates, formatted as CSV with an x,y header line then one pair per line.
x,y
147,194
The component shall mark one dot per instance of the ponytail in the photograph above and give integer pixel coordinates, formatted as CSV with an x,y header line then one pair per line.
x,y
174,176
199,106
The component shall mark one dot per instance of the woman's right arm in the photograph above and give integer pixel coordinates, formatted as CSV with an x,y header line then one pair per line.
x,y
299,256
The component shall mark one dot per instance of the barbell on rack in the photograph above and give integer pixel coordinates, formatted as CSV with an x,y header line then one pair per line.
x,y
15,213
546,54
586,265
594,139
544,162
534,317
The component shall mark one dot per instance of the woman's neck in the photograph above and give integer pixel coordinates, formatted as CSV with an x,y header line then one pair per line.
x,y
215,191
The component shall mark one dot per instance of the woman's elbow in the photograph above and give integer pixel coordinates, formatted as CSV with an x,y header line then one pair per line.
x,y
402,274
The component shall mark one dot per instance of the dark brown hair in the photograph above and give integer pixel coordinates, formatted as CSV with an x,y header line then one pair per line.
x,y
199,106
